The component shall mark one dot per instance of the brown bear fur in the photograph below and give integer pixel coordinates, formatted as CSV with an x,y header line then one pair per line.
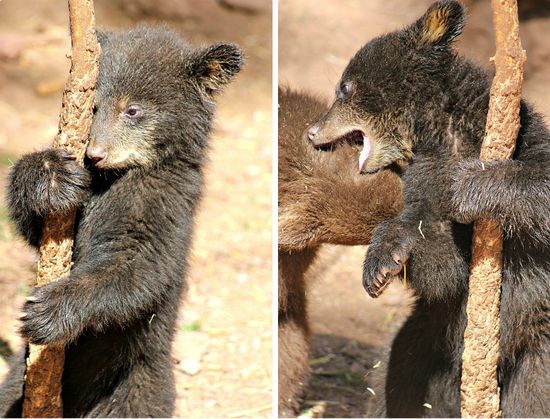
x,y
322,199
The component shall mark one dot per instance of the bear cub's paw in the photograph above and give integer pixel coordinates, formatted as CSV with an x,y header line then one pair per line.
x,y
42,318
386,256
50,181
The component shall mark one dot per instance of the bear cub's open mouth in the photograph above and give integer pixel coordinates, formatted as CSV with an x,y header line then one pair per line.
x,y
353,137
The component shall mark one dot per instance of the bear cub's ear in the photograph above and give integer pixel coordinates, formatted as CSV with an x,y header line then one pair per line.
x,y
216,65
441,23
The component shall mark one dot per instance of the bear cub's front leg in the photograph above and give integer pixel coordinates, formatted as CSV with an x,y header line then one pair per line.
x,y
43,183
388,252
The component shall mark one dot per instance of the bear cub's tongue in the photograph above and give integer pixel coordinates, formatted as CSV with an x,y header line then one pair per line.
x,y
365,152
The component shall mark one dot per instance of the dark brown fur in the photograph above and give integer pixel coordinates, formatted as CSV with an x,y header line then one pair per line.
x,y
322,199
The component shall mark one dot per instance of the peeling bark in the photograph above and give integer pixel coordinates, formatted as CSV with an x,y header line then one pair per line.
x,y
45,363
480,394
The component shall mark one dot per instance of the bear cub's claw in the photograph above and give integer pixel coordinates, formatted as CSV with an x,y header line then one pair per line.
x,y
380,270
385,259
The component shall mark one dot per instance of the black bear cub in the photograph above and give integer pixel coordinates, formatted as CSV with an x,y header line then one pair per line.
x,y
117,310
412,100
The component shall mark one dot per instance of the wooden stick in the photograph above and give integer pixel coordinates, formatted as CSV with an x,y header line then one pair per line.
x,y
45,363
479,388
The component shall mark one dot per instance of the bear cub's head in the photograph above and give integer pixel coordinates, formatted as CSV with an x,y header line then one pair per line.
x,y
154,97
390,86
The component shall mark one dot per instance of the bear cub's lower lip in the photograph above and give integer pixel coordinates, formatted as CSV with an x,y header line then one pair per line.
x,y
365,152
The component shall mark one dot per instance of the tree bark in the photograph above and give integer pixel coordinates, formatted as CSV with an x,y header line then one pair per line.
x,y
45,363
480,394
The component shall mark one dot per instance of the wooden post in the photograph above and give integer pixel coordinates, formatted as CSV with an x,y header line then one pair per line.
x,y
45,363
480,395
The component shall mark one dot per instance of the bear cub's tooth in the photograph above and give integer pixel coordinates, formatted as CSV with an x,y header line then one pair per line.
x,y
365,152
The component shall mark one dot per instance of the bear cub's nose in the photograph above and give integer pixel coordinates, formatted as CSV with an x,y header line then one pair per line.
x,y
96,154
313,132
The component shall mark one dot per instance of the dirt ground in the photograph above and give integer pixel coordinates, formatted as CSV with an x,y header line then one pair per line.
x,y
223,347
316,40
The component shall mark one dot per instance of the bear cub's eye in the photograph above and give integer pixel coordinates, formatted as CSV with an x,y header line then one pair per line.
x,y
345,90
133,112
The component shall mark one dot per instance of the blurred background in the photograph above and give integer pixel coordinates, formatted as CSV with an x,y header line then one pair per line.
x,y
316,40
222,351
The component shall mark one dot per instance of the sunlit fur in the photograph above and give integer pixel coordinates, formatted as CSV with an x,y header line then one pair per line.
x,y
322,199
